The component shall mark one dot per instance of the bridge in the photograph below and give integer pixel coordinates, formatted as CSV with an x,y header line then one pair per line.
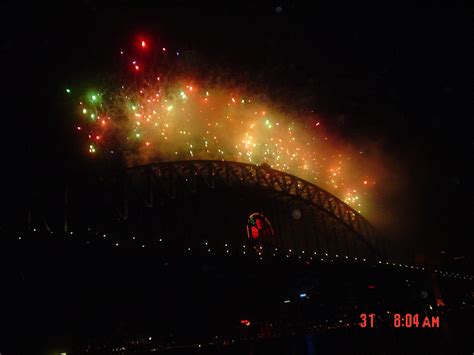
x,y
335,225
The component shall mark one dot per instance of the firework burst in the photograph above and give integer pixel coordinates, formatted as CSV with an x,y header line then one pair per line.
x,y
165,118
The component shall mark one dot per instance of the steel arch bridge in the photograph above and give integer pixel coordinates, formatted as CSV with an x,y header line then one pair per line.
x,y
344,227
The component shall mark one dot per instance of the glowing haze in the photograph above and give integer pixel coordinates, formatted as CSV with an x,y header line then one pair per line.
x,y
153,119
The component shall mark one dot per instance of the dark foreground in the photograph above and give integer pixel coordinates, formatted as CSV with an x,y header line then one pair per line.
x,y
62,297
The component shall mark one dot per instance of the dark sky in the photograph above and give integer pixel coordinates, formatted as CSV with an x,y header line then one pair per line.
x,y
393,75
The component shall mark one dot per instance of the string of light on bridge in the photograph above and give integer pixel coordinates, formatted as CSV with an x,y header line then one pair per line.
x,y
244,250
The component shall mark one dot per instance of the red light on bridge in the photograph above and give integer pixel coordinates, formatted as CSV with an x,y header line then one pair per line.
x,y
245,322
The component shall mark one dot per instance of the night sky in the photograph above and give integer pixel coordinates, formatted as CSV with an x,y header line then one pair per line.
x,y
394,77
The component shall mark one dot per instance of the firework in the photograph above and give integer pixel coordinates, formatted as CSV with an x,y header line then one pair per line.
x,y
152,119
